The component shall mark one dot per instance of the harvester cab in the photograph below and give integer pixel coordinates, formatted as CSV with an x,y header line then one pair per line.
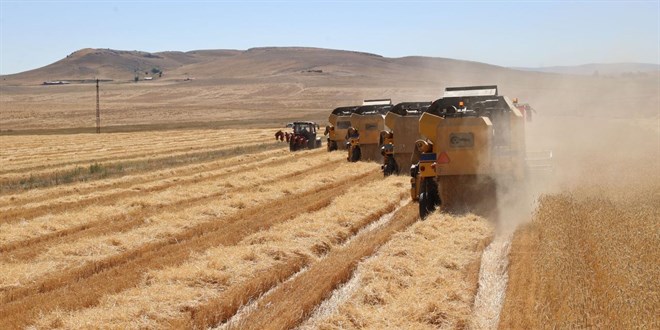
x,y
398,143
369,121
471,138
340,121
303,136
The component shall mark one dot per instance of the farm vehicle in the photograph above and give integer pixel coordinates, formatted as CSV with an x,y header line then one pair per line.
x,y
398,143
363,137
340,121
303,136
473,144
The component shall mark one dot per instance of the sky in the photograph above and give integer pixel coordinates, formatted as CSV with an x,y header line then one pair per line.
x,y
507,33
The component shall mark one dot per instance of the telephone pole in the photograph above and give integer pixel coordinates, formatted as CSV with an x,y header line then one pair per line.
x,y
98,109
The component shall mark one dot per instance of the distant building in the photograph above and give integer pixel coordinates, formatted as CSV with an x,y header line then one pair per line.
x,y
56,82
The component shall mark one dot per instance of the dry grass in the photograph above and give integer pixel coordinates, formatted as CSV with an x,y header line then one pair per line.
x,y
424,278
215,272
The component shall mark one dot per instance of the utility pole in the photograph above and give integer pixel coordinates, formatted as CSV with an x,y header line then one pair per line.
x,y
98,109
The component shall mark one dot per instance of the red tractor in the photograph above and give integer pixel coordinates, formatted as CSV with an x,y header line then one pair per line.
x,y
302,137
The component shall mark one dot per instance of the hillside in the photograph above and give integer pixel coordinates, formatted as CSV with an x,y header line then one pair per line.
x,y
600,69
276,84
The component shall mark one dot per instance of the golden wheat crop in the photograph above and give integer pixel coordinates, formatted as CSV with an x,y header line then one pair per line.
x,y
590,259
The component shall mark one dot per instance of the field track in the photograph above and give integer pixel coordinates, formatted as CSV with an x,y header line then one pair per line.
x,y
191,242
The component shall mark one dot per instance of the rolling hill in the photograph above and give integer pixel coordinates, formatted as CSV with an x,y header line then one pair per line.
x,y
285,83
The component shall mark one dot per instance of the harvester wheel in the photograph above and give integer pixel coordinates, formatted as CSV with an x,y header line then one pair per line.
x,y
428,198
356,155
390,166
332,145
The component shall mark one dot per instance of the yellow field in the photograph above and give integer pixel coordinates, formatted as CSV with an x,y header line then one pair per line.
x,y
206,228
211,229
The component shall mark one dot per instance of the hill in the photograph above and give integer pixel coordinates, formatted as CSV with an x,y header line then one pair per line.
x,y
275,84
600,69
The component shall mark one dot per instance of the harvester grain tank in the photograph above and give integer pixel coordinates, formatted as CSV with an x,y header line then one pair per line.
x,y
340,121
367,121
398,143
473,142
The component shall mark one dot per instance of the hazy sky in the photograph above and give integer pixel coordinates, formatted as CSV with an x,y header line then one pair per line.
x,y
507,33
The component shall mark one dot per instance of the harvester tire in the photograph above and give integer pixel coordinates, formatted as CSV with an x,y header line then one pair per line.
x,y
390,166
428,198
356,155
332,145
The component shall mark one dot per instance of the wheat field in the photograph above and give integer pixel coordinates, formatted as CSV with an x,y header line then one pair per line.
x,y
209,229
199,229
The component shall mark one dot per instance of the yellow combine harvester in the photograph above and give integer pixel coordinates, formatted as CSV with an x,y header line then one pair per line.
x,y
473,142
367,122
340,121
398,143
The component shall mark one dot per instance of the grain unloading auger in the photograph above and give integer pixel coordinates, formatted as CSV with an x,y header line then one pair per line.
x,y
398,142
473,144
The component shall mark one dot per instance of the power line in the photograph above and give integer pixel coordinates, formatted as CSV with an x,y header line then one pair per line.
x,y
98,109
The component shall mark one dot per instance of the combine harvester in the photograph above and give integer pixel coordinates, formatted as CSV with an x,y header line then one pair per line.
x,y
472,146
398,143
363,137
340,121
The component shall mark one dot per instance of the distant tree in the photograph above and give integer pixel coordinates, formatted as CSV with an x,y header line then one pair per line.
x,y
155,70
136,78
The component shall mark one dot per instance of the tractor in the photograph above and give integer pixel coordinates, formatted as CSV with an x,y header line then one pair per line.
x,y
398,143
302,137
367,122
473,144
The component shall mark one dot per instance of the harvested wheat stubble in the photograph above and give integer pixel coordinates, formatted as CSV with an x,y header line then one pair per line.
x,y
104,205
98,171
288,304
255,264
45,166
24,152
423,278
190,206
84,287
39,197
